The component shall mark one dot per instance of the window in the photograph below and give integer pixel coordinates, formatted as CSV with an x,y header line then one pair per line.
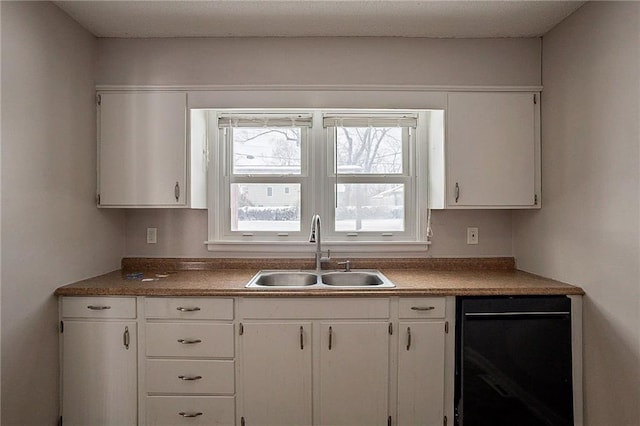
x,y
371,165
360,170
265,153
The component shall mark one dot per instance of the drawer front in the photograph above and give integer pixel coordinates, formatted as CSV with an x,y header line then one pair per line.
x,y
314,308
204,340
190,410
421,307
189,376
188,308
99,307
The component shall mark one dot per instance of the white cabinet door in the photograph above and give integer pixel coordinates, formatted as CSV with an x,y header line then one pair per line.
x,y
99,380
276,373
421,373
142,149
354,373
491,150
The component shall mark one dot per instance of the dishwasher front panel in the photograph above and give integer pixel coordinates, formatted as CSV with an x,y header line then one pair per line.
x,y
513,361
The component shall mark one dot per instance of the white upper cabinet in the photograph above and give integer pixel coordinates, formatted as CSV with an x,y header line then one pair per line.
x,y
143,150
492,151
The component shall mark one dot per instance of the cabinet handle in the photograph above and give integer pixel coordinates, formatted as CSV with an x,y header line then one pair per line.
x,y
176,191
181,309
301,338
189,341
126,339
183,414
457,191
98,307
330,337
189,378
408,338
423,308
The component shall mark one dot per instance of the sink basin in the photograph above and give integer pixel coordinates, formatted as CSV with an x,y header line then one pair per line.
x,y
327,280
285,279
351,279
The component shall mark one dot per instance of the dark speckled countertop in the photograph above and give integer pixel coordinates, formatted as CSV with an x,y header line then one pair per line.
x,y
228,277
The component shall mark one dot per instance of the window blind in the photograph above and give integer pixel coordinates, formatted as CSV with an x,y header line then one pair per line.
x,y
270,120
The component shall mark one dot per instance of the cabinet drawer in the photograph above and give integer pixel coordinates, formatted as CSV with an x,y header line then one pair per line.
x,y
188,308
421,307
189,340
99,307
205,410
190,376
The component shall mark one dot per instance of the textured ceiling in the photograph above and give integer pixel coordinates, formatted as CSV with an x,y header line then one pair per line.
x,y
304,18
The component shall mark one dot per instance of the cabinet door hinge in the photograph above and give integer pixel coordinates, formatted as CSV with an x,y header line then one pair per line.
x,y
391,328
446,327
99,99
241,329
535,98
61,330
242,421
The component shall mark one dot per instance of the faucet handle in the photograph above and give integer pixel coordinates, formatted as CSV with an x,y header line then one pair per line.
x,y
347,265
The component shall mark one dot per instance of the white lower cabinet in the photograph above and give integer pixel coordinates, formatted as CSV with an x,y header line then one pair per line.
x,y
189,362
276,373
424,378
277,361
421,373
354,373
98,362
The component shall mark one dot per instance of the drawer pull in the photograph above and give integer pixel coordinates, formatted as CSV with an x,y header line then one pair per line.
x,y
189,378
98,307
423,308
189,341
183,414
126,338
194,309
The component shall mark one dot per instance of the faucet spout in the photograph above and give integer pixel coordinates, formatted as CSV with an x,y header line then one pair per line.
x,y
316,237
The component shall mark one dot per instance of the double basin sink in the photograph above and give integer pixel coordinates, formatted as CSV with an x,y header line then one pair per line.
x,y
311,279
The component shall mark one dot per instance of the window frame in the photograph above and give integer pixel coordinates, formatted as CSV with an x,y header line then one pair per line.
x,y
413,239
407,177
223,170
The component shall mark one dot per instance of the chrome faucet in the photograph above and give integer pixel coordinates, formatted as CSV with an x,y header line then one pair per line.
x,y
315,237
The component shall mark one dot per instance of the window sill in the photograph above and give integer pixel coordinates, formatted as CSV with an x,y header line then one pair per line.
x,y
304,249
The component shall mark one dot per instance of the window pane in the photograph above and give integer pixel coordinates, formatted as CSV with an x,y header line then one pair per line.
x,y
265,207
370,150
370,207
263,150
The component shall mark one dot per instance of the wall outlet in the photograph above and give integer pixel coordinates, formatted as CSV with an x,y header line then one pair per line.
x,y
152,235
472,235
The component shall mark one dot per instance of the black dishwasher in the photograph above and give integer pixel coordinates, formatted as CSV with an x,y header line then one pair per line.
x,y
513,361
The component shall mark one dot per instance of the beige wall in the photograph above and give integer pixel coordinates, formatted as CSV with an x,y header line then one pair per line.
x,y
588,231
181,233
52,233
322,60
318,61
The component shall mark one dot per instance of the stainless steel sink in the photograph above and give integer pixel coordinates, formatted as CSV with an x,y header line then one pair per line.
x,y
311,280
351,279
285,279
